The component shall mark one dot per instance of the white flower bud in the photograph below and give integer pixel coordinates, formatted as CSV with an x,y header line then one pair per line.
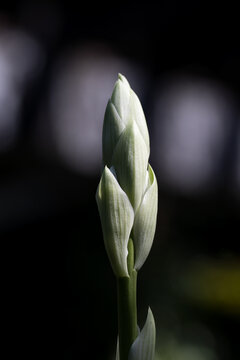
x,y
123,108
127,195
117,217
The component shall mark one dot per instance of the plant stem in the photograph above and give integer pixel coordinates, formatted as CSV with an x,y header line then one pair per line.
x,y
127,306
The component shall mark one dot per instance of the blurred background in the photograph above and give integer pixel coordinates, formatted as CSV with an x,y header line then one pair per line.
x,y
58,66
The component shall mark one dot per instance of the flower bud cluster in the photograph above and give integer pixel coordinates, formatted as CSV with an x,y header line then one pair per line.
x,y
127,194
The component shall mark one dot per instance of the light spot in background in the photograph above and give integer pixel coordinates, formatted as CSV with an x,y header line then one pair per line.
x,y
191,122
20,57
82,84
212,284
185,340
179,351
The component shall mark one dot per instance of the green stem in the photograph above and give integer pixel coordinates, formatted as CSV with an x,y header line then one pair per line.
x,y
127,306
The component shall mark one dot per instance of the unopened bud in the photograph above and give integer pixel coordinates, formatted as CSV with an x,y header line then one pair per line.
x,y
127,193
126,140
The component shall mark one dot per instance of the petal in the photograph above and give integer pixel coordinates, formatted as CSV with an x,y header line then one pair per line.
x,y
112,129
121,97
143,347
117,350
117,216
136,114
130,161
145,221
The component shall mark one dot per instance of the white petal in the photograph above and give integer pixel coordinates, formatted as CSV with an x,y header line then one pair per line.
x,y
130,161
117,350
143,347
121,97
112,129
137,115
145,221
117,216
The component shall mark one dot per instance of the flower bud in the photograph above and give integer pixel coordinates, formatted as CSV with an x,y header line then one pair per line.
x,y
127,193
123,108
117,217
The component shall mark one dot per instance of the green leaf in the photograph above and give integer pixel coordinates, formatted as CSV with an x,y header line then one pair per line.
x,y
117,217
145,221
143,347
130,161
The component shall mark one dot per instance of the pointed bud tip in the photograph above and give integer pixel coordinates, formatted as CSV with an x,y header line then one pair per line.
x,y
149,313
123,79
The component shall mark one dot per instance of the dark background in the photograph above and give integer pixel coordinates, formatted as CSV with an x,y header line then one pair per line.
x,y
58,65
